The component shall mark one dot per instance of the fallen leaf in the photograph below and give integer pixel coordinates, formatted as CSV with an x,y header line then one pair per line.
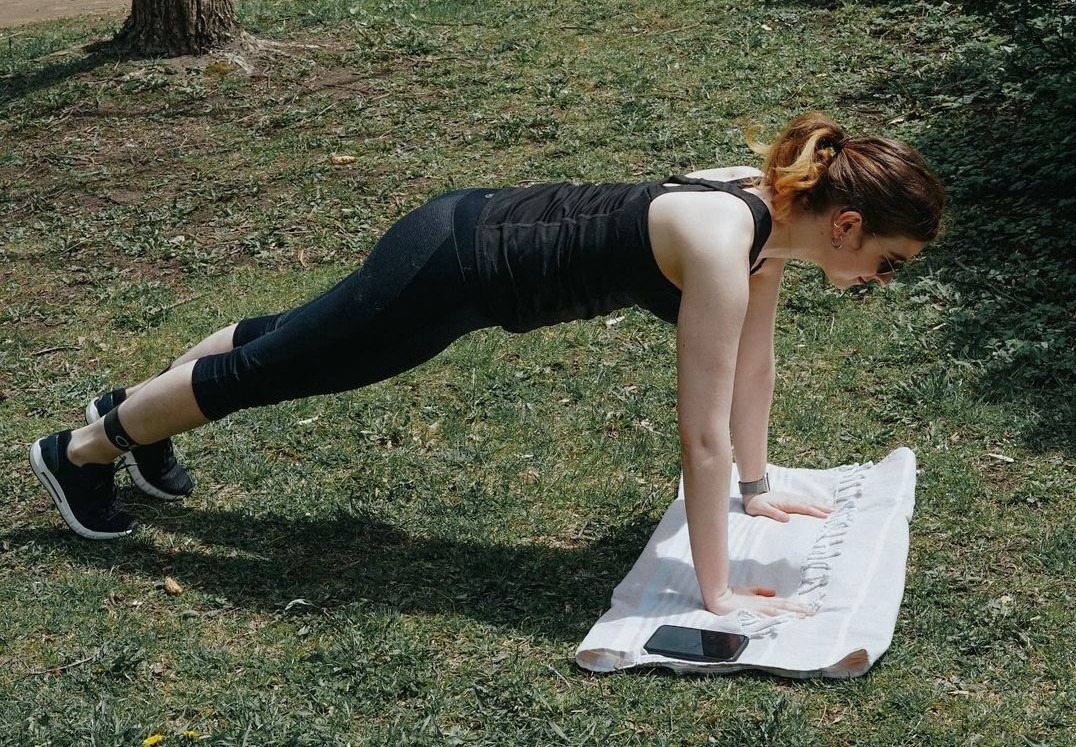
x,y
172,587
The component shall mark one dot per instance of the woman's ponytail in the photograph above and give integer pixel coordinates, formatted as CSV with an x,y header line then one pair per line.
x,y
799,160
815,166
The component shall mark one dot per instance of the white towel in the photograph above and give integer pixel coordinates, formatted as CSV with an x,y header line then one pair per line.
x,y
849,568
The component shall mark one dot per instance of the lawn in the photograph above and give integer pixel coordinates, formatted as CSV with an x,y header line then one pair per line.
x,y
415,563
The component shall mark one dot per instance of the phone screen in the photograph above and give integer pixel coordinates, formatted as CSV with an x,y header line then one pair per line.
x,y
694,644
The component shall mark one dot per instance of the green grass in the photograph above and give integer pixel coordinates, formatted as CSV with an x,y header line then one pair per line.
x,y
416,562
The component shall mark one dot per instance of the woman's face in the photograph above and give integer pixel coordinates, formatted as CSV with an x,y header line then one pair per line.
x,y
863,257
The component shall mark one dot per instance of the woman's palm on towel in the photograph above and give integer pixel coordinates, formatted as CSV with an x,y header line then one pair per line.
x,y
777,505
761,600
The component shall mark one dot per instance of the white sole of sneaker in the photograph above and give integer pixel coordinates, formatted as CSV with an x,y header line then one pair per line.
x,y
143,484
52,487
92,416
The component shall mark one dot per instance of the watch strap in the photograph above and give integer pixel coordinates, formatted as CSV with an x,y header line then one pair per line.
x,y
756,486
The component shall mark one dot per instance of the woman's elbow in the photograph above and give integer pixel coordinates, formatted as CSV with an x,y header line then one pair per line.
x,y
702,446
761,370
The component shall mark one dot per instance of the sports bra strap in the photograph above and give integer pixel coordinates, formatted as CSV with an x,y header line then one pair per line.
x,y
761,213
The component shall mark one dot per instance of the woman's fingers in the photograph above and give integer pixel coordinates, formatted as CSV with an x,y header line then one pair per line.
x,y
784,609
806,507
770,511
821,509
764,601
796,607
778,506
819,512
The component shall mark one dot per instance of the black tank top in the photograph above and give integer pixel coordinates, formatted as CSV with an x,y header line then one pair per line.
x,y
556,252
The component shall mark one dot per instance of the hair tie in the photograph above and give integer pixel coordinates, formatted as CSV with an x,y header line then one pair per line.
x,y
834,147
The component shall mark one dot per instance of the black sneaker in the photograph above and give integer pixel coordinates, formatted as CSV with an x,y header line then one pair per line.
x,y
86,496
153,467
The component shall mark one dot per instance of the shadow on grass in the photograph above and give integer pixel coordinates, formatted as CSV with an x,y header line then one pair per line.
x,y
263,562
92,56
1001,136
1010,256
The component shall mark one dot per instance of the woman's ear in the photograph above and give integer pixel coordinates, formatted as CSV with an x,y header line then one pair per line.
x,y
846,220
848,228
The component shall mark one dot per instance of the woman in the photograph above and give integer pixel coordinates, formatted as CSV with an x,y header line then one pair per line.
x,y
704,252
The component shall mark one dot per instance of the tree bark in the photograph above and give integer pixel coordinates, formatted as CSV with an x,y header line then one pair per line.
x,y
169,28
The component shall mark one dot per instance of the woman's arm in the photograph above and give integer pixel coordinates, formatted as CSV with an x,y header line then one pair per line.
x,y
752,396
713,304
753,390
711,238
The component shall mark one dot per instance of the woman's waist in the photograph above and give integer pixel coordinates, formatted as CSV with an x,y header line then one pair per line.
x,y
465,220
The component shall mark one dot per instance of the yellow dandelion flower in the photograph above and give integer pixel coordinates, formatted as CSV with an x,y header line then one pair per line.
x,y
191,734
151,740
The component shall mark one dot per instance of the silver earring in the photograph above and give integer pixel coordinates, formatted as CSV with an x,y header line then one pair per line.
x,y
838,241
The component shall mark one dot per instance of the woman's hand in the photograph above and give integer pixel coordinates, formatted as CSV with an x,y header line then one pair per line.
x,y
757,599
777,505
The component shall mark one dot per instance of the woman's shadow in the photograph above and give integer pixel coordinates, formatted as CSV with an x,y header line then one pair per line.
x,y
263,562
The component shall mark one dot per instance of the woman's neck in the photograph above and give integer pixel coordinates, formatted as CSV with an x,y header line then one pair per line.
x,y
804,236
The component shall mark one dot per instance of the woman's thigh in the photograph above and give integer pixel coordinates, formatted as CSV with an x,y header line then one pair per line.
x,y
407,303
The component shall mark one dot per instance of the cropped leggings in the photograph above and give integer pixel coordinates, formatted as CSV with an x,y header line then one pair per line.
x,y
413,297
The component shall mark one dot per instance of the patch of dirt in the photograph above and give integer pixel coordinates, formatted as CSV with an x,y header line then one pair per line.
x,y
342,84
19,12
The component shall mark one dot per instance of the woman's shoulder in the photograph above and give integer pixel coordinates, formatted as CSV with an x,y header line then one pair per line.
x,y
726,173
688,228
729,209
734,212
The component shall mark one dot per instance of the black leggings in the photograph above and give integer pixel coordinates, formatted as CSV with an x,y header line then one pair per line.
x,y
412,298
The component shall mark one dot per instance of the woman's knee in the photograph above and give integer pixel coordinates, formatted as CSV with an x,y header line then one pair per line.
x,y
220,341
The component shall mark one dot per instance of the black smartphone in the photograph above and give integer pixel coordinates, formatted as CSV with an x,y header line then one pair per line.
x,y
694,644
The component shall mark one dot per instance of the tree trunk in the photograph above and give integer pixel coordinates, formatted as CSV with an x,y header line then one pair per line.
x,y
175,27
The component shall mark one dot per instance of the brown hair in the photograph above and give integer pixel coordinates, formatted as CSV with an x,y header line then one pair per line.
x,y
814,164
